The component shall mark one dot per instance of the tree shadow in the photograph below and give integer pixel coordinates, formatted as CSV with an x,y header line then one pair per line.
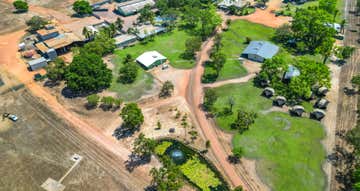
x,y
123,132
136,161
51,83
150,188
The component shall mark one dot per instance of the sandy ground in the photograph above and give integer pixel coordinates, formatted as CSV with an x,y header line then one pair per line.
x,y
265,17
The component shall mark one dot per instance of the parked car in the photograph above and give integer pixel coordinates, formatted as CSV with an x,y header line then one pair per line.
x,y
39,77
164,67
13,117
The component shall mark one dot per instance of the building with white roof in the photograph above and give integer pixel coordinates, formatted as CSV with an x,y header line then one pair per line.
x,y
151,59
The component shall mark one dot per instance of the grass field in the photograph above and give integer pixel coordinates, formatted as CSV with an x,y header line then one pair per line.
x,y
199,174
246,96
281,144
130,92
288,151
171,45
234,43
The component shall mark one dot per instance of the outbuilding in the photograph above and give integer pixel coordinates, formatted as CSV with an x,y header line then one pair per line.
x,y
37,63
259,51
151,59
322,103
125,40
297,110
318,114
291,72
280,101
323,91
268,92
132,7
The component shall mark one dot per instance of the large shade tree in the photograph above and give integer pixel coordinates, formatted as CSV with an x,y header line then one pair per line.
x,y
87,73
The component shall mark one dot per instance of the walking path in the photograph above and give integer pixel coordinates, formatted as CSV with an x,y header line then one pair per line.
x,y
231,81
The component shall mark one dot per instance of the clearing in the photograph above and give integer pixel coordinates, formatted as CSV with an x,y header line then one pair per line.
x,y
170,44
281,144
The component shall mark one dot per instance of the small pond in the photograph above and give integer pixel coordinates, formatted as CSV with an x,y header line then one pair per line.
x,y
200,172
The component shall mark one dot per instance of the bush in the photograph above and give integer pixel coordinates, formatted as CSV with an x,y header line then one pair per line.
x,y
36,23
21,6
128,73
82,7
92,100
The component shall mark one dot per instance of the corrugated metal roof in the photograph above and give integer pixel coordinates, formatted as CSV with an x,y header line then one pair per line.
x,y
131,7
263,49
291,72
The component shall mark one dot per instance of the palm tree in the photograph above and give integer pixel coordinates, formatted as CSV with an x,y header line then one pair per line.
x,y
336,12
86,33
342,25
119,24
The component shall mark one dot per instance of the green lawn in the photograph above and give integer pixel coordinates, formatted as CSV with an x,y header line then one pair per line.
x,y
131,92
246,96
199,174
171,45
234,44
292,8
288,151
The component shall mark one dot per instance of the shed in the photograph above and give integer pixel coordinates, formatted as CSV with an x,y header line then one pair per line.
x,y
260,51
132,7
151,59
268,92
124,40
279,101
37,63
46,34
297,110
322,103
148,30
225,4
291,72
323,91
318,114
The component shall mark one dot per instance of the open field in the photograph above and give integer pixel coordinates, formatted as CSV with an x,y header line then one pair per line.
x,y
246,97
11,22
171,45
40,145
233,42
281,144
131,92
288,151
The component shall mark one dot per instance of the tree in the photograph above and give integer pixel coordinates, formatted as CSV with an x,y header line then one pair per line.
x,y
219,60
118,102
132,116
207,144
87,73
82,7
237,153
21,6
92,100
355,80
167,178
119,24
209,99
243,121
87,33
345,52
342,25
143,147
231,102
128,73
283,34
128,59
107,101
167,89
192,45
146,15
329,6
209,20
56,69
102,45
36,23
310,27
239,188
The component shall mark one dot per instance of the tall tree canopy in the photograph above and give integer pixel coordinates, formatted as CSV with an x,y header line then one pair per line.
x,y
21,6
310,27
87,73
82,7
132,116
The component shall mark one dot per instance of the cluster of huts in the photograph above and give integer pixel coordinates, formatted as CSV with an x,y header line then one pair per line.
x,y
297,110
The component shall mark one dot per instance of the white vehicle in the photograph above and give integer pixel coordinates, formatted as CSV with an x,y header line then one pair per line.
x,y
165,66
13,117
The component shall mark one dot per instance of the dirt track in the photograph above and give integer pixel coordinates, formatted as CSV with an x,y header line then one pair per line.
x,y
346,115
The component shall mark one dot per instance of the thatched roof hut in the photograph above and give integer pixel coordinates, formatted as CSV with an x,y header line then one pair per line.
x,y
279,101
318,114
297,110
268,92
